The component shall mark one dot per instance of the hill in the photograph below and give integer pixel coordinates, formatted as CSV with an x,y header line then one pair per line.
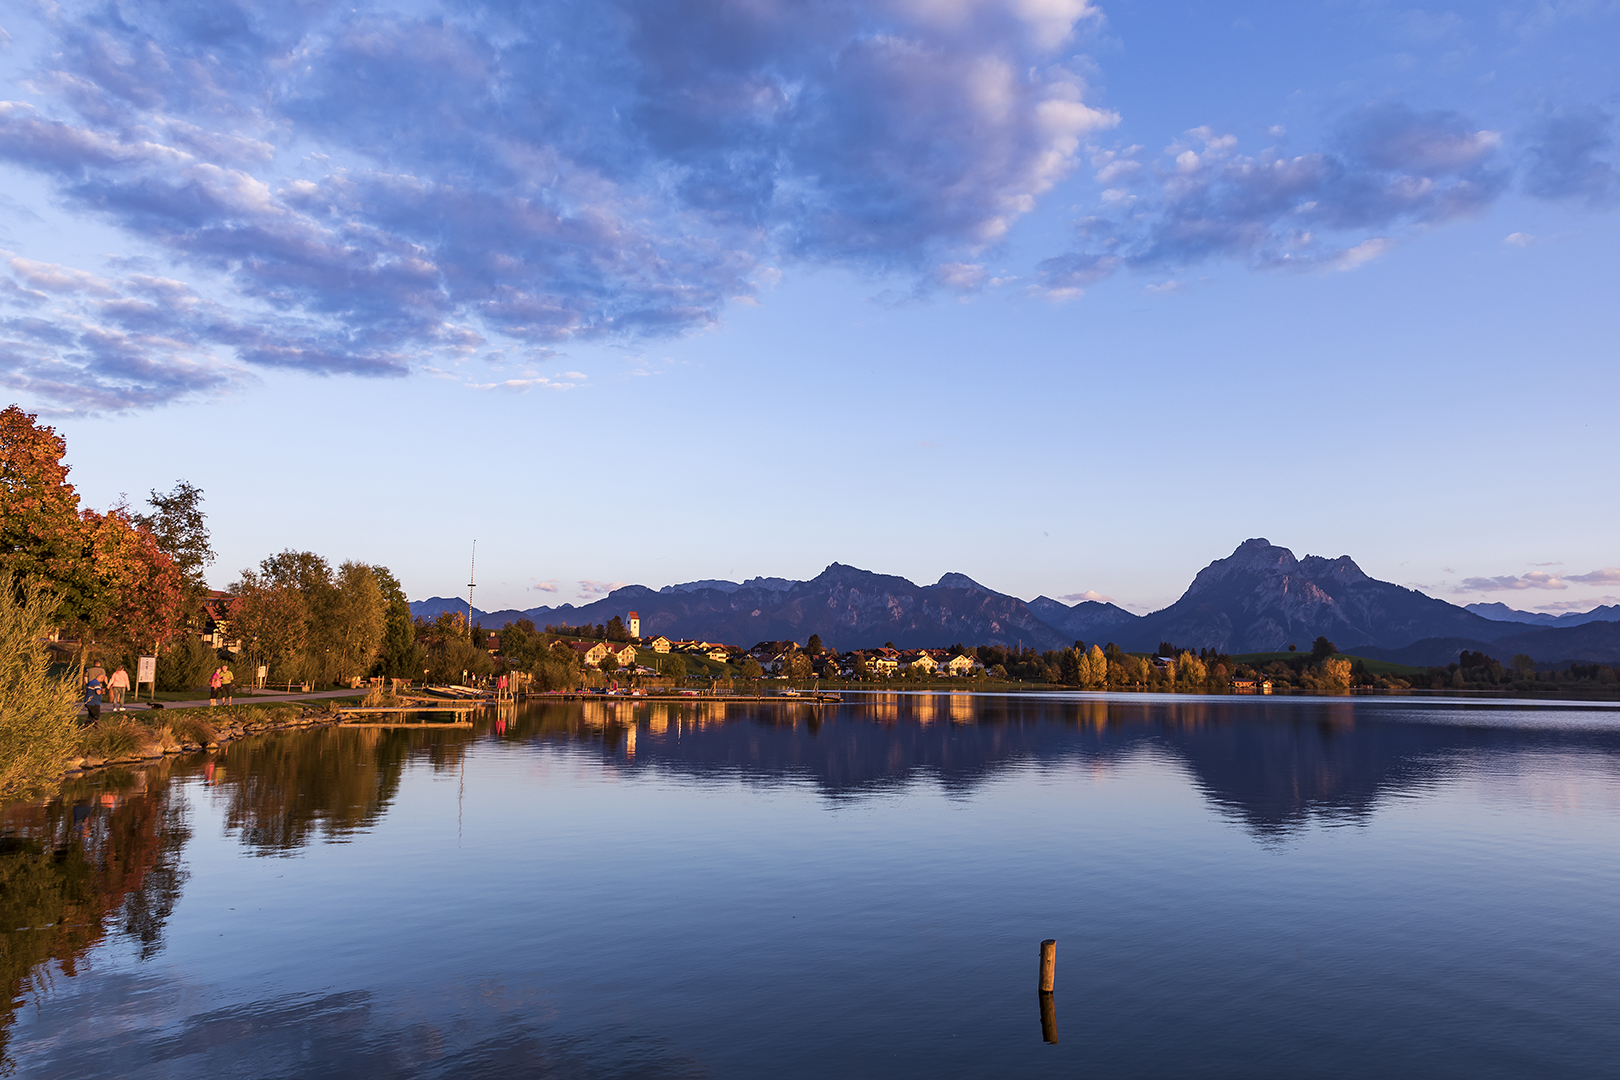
x,y
1261,598
1257,599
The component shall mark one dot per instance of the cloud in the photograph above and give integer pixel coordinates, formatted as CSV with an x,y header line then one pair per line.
x,y
377,186
1566,148
1519,239
1609,575
591,590
549,585
1388,169
1536,579
1089,594
1578,605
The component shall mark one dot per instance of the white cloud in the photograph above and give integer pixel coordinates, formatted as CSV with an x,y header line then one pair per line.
x,y
1089,594
1578,605
591,590
1509,583
1537,579
1519,239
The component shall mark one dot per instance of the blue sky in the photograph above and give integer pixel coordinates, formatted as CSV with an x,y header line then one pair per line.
x,y
1070,298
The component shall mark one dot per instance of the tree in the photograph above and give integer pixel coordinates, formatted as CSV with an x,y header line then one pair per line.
x,y
272,622
1321,649
1094,669
1069,665
181,529
616,631
749,668
399,657
41,535
1191,670
38,713
813,646
140,595
359,620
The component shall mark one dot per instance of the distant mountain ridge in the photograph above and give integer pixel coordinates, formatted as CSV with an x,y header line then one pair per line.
x,y
1259,598
1502,613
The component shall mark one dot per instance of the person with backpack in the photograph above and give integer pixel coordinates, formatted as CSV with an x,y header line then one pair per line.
x,y
92,700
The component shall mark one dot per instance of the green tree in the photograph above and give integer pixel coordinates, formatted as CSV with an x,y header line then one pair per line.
x,y
38,713
185,665
399,657
1069,667
271,619
359,620
615,631
813,646
1321,649
181,530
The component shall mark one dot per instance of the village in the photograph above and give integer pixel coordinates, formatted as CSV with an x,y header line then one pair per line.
x,y
767,659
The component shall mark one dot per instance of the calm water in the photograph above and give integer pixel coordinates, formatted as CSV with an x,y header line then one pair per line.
x,y
1239,887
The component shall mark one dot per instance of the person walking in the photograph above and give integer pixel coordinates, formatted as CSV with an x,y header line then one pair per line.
x,y
117,686
227,683
92,700
215,681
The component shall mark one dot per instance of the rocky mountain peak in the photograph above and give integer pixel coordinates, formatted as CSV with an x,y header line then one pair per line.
x,y
1257,556
959,581
1342,570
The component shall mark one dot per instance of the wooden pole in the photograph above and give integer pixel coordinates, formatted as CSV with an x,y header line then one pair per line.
x,y
1048,964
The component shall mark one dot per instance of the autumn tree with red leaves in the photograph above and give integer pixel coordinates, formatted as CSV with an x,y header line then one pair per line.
x,y
108,574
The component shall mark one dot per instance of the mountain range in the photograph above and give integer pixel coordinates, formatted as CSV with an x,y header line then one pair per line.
x,y
1259,598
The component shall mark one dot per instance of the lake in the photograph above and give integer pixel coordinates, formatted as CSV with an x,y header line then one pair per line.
x,y
1239,887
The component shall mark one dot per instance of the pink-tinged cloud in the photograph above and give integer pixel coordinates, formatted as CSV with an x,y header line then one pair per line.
x,y
1089,594
1536,579
545,586
591,590
1506,583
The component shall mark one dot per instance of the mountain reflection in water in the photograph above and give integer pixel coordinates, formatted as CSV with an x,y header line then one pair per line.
x,y
95,879
1274,764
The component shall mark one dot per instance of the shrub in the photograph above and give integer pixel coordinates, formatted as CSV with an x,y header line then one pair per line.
x,y
185,665
190,727
38,713
113,739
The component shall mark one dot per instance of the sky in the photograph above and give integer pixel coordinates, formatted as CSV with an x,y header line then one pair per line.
x,y
1071,298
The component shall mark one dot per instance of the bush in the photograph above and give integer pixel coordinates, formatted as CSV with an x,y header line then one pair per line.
x,y
186,665
114,739
188,727
38,713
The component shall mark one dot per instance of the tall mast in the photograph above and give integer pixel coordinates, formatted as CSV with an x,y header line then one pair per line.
x,y
472,583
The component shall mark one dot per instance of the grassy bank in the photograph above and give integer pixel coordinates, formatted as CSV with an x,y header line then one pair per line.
x,y
124,738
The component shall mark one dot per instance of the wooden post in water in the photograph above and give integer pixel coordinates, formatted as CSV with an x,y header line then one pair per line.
x,y
1048,964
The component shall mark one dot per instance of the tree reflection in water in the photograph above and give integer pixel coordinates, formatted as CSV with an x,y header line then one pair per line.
x,y
101,859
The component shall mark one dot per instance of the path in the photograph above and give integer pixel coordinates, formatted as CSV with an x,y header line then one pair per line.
x,y
256,698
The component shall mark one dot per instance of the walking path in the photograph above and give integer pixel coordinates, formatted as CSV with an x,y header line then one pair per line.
x,y
254,698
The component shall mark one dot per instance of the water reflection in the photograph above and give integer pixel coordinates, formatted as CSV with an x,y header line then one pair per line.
x,y
1273,765
326,784
101,860
102,863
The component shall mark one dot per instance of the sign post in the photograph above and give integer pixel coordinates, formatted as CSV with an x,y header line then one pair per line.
x,y
146,672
